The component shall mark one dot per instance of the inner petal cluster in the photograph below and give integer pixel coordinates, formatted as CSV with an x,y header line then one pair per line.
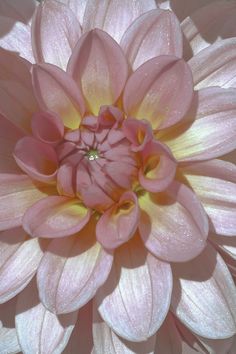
x,y
96,161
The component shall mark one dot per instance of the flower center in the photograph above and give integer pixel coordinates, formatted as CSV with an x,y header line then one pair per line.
x,y
92,155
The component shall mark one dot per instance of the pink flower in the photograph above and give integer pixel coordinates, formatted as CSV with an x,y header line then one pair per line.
x,y
117,218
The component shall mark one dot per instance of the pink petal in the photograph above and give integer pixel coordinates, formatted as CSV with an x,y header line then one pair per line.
x,y
55,31
114,16
106,341
80,266
204,296
135,299
22,45
47,127
9,134
17,101
57,92
169,340
17,194
38,330
158,167
121,172
81,340
20,11
65,178
100,68
215,184
138,132
19,261
37,159
55,216
211,67
209,24
210,129
155,33
119,223
151,94
174,225
78,7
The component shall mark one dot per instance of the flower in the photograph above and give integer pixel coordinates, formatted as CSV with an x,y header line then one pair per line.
x,y
117,217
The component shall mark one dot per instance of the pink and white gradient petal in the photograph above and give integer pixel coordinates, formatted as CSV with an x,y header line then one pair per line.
x,y
19,261
17,194
173,225
211,67
78,7
106,341
114,16
155,33
100,68
17,101
55,216
216,188
132,309
65,290
57,92
55,32
49,333
150,92
205,286
16,37
209,128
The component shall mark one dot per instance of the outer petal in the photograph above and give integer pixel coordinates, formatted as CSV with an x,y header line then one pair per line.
x,y
55,216
55,31
209,24
15,37
204,296
80,266
210,129
57,92
106,341
20,11
211,67
78,7
114,16
9,134
38,330
174,225
132,308
215,184
100,68
17,194
151,93
18,263
119,223
17,101
155,33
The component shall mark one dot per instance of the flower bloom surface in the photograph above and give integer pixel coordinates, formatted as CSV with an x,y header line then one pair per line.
x,y
117,216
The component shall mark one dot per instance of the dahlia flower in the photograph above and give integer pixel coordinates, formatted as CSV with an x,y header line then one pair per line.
x,y
117,203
